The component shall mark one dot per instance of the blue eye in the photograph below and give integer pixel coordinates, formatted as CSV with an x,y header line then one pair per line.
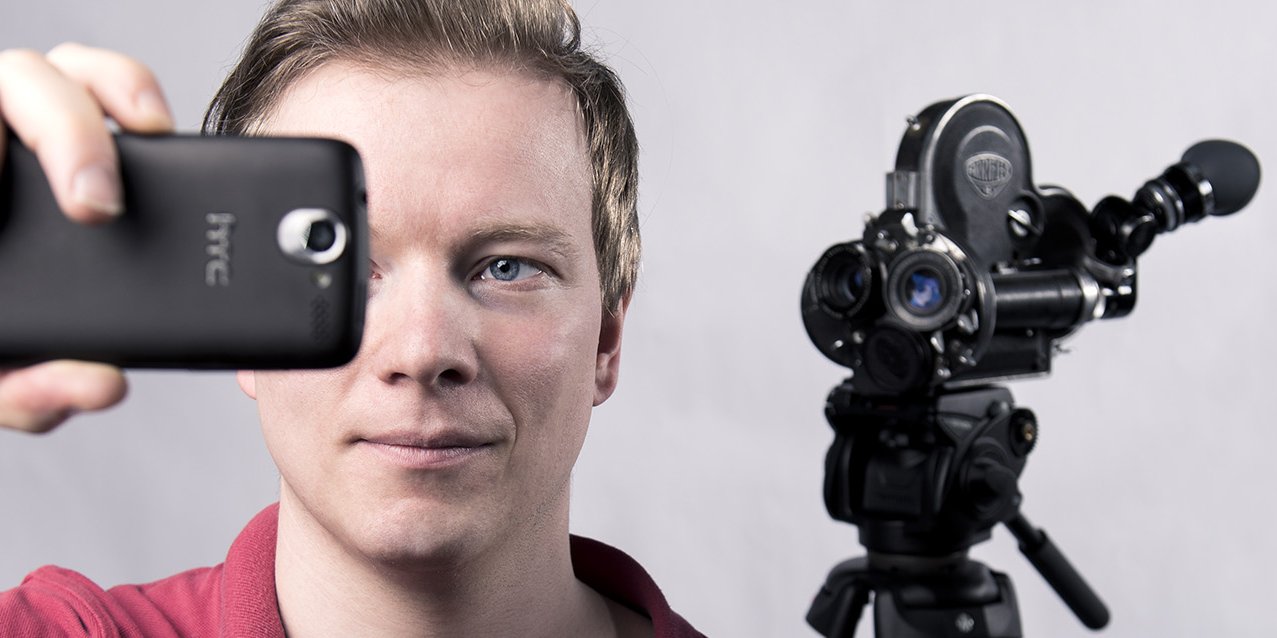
x,y
504,269
509,269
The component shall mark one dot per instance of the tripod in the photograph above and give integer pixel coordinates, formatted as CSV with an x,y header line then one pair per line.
x,y
924,479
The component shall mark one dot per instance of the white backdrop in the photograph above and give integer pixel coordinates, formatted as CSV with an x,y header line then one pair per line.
x,y
766,130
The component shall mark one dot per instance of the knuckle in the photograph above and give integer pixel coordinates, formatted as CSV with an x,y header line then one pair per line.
x,y
135,76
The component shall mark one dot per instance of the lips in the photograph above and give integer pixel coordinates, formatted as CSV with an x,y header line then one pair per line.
x,y
417,451
444,439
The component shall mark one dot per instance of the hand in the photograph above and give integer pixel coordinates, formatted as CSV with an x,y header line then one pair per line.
x,y
39,398
57,105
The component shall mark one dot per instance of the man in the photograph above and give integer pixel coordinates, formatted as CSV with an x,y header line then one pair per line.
x,y
424,486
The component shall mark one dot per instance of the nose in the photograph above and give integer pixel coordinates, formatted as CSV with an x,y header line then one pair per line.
x,y
419,331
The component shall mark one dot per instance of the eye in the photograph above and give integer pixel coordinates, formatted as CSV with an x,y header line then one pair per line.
x,y
374,277
510,269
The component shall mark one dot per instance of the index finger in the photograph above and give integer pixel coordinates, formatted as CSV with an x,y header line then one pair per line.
x,y
124,87
64,126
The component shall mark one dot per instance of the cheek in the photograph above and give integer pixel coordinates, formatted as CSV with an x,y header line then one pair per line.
x,y
290,404
545,370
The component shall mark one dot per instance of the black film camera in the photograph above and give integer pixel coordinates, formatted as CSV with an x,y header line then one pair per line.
x,y
970,276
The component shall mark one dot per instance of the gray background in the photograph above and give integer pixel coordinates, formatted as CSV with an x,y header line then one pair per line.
x,y
766,130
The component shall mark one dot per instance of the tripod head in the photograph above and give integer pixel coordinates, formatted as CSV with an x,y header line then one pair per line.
x,y
971,275
924,480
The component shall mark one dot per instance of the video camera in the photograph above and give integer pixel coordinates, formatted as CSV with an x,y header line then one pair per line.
x,y
970,276
972,272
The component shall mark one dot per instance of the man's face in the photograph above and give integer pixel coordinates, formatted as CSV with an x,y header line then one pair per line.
x,y
486,346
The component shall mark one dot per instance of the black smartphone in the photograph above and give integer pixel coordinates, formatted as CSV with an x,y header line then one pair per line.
x,y
231,252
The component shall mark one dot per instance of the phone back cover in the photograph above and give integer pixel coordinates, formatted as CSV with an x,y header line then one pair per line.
x,y
191,275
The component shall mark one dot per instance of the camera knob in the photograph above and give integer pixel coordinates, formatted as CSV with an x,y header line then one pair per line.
x,y
991,490
1123,230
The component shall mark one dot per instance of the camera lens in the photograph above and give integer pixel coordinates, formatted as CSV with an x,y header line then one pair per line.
x,y
321,236
924,289
896,361
843,279
312,236
844,286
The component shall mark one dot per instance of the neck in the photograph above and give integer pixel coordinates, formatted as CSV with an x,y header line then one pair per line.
x,y
523,586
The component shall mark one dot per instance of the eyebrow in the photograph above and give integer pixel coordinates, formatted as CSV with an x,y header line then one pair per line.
x,y
552,238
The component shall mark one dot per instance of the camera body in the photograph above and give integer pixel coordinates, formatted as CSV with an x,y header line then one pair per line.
x,y
972,272
912,305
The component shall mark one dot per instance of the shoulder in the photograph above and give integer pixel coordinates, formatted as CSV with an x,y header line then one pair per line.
x,y
620,578
234,598
54,601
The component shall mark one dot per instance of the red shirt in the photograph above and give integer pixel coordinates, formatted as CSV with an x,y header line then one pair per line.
x,y
237,598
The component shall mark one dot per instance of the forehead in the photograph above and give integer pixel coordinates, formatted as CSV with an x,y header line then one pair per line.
x,y
489,143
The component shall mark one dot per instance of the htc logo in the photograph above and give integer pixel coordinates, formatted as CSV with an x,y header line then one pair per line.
x,y
217,271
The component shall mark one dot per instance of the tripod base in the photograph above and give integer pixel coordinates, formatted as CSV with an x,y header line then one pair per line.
x,y
964,599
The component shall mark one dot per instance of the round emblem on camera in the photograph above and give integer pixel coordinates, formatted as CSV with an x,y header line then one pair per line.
x,y
988,173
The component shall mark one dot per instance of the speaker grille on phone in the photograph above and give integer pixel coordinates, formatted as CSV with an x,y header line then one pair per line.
x,y
320,327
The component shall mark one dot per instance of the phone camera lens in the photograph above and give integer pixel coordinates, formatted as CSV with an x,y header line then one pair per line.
x,y
312,236
321,236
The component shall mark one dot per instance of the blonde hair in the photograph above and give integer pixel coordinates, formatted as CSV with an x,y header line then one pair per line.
x,y
542,37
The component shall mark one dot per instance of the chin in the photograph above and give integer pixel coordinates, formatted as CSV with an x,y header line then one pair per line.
x,y
421,535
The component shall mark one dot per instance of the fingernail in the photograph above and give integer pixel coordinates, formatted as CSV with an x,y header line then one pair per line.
x,y
97,187
152,105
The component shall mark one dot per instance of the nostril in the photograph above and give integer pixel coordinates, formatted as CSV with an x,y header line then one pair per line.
x,y
448,378
452,376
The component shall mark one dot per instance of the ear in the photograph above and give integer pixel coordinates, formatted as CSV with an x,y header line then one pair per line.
x,y
607,365
247,382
